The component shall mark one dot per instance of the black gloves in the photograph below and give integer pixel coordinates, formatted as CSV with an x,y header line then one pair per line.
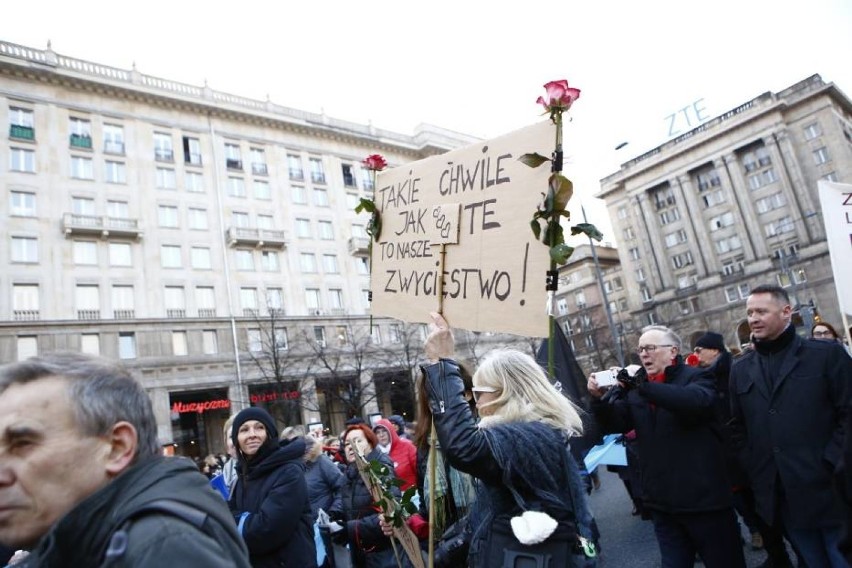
x,y
336,515
629,381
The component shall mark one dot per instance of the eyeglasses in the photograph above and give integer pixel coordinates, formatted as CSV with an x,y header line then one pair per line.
x,y
825,333
651,348
698,350
477,390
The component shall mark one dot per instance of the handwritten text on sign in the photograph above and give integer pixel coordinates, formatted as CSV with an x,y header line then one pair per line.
x,y
476,202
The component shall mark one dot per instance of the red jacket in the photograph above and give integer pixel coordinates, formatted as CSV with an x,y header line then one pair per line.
x,y
403,454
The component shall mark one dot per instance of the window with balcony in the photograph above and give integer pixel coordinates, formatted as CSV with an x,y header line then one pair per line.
x,y
22,204
303,228
240,219
812,131
191,151
663,198
262,190
329,264
179,344
21,160
85,253
87,300
707,179
194,182
80,133
821,156
200,258
275,301
233,157
209,342
244,259
90,343
348,176
167,216
248,301
83,206
113,139
120,254
317,171
308,262
163,148
24,250
127,345
175,301
269,261
166,178
21,123
756,159
265,222
258,162
170,256
205,300
114,172
117,209
326,230
82,168
123,302
27,346
294,167
236,187
25,302
197,218
320,197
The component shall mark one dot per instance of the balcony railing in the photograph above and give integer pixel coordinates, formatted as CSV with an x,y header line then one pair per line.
x,y
25,315
88,314
259,169
207,312
73,223
251,312
270,238
114,147
81,141
22,132
175,313
124,314
233,164
164,155
359,245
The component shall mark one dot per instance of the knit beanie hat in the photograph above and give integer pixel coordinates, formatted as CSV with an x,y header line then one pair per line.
x,y
262,416
711,340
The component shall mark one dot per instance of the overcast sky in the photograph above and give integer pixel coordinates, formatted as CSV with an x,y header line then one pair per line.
x,y
474,66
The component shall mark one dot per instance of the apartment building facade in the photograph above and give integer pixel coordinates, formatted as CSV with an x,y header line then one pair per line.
x,y
730,205
172,226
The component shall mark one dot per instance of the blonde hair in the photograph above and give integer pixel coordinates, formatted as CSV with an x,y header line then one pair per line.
x,y
226,429
524,392
313,448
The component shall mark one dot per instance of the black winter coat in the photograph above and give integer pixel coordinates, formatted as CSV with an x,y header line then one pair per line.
x,y
678,439
794,432
370,548
325,482
270,504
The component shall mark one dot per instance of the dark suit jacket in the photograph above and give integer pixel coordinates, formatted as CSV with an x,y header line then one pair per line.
x,y
794,431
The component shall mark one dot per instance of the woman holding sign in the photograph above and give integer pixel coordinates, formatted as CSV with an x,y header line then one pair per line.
x,y
531,503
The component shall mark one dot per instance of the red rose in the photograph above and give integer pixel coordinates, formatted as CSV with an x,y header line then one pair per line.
x,y
692,360
375,162
559,96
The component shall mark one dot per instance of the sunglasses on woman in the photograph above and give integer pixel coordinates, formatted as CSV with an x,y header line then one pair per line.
x,y
477,390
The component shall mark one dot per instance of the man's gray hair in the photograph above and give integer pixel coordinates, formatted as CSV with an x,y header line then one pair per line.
x,y
670,336
102,393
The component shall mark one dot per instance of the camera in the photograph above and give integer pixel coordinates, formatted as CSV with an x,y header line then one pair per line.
x,y
606,378
631,376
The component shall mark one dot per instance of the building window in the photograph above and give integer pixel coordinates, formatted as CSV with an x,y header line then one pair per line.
x,y
634,253
348,176
90,343
760,179
713,198
395,333
359,232
319,335
85,252
194,182
580,299
163,148
686,280
300,195
376,335
622,212
113,139
831,176
240,219
681,260
248,301
175,301
127,345
669,216
87,300
21,160
197,218
236,187
779,227
233,159
326,230
367,180
167,216
774,201
728,244
362,265
721,221
303,228
205,300
329,264
179,345
275,301
21,123
254,342
756,159
269,261
335,297
200,258
258,162
244,259
24,249
209,342
294,166
22,204
320,197
25,302
312,300
676,238
123,303
191,151
170,256
279,336
81,133
640,274
166,178
308,262
821,156
81,168
317,171
27,347
663,198
812,131
707,179
83,206
117,210
731,294
120,254
265,222
562,306
628,233
261,190
114,172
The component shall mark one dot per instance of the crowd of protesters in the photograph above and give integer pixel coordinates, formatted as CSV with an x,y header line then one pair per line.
x,y
713,438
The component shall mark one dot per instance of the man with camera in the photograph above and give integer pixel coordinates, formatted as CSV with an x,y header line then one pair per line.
x,y
672,407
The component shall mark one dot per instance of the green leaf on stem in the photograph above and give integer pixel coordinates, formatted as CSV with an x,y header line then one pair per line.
x,y
553,235
533,160
562,187
365,205
536,228
588,229
560,253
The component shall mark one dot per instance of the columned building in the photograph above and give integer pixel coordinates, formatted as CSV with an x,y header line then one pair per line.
x,y
206,239
730,205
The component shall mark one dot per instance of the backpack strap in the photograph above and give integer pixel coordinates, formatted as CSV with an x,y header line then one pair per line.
x,y
118,541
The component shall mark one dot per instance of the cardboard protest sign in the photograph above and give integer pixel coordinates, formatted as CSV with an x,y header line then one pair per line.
x,y
494,275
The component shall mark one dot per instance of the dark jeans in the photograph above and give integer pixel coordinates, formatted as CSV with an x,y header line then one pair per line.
x,y
744,505
714,536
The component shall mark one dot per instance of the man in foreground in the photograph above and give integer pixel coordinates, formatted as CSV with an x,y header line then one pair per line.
x,y
82,482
